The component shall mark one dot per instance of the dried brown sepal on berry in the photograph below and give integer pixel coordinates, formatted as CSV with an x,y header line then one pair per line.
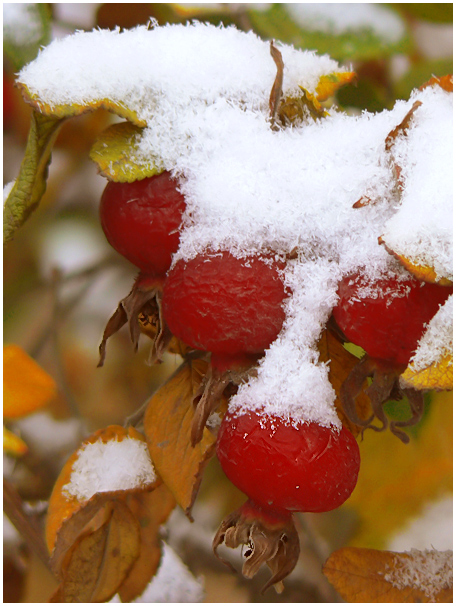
x,y
143,301
271,538
385,386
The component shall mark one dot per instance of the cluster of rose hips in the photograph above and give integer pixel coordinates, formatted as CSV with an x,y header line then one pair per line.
x,y
233,309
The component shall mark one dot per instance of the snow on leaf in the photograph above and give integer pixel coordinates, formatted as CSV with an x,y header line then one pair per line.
x,y
114,152
26,386
168,424
368,575
113,460
432,364
30,184
99,560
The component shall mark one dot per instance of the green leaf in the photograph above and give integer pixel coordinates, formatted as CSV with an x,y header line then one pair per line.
x,y
361,44
26,27
30,185
115,154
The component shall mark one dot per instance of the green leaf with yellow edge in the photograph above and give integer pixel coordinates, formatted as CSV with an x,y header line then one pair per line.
x,y
438,376
30,184
329,84
371,576
69,110
12,444
115,153
397,480
26,386
168,425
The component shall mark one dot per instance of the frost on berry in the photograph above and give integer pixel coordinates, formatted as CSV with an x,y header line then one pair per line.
x,y
270,538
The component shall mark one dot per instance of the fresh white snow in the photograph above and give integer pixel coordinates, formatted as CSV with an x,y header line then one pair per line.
x,y
203,93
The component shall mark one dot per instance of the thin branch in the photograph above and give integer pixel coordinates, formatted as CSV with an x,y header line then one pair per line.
x,y
26,525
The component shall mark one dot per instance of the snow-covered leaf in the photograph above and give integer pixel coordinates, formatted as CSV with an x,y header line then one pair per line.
x,y
368,575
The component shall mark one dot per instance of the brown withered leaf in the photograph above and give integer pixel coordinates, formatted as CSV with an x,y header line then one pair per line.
x,y
151,509
341,363
445,82
402,127
369,575
100,560
167,424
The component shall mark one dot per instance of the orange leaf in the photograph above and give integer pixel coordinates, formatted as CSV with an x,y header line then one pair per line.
x,y
445,82
26,386
329,84
62,505
99,560
341,362
368,575
151,509
422,272
437,376
167,425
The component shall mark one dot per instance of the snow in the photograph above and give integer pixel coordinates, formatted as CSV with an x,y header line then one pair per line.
x,y
437,341
429,571
173,583
7,190
340,18
109,466
203,93
432,529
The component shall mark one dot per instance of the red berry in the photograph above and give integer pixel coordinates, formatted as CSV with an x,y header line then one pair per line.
x,y
387,318
141,221
299,466
224,305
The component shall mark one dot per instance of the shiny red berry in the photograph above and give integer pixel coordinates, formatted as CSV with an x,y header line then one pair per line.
x,y
293,466
225,305
141,221
387,317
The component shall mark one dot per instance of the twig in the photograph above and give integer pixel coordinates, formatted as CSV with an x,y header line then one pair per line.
x,y
26,525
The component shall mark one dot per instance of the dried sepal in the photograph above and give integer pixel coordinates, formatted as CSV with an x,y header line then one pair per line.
x,y
385,386
270,537
143,301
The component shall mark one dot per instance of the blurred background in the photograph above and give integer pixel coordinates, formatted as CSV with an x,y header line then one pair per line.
x,y
62,282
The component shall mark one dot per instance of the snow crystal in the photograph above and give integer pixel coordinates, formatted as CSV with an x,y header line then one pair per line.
x,y
340,18
429,571
114,465
433,528
203,93
437,341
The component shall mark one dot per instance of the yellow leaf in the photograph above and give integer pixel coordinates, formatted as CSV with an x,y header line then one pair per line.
x,y
115,153
368,575
75,109
167,425
12,444
329,84
397,480
437,376
26,386
151,509
99,561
